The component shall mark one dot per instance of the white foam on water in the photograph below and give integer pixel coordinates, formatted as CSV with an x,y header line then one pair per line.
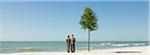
x,y
120,45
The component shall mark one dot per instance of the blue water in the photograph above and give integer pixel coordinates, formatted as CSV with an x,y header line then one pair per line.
x,y
58,46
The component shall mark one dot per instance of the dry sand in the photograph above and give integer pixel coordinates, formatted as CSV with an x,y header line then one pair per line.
x,y
144,50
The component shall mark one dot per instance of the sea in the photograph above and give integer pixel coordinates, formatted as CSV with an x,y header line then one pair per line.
x,y
60,46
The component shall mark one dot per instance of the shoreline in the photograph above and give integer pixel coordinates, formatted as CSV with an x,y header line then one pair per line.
x,y
140,50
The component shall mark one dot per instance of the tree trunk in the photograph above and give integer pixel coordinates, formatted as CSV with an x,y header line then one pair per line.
x,y
88,40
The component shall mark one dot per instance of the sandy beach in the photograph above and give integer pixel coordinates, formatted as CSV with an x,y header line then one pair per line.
x,y
117,51
56,27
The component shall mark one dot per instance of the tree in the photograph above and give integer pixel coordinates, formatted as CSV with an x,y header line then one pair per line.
x,y
88,22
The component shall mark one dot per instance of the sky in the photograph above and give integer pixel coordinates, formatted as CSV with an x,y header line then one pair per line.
x,y
54,20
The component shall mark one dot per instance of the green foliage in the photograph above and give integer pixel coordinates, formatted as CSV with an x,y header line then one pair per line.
x,y
89,20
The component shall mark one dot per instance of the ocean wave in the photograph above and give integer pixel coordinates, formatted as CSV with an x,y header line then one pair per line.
x,y
27,49
105,44
121,45
138,44
30,49
109,44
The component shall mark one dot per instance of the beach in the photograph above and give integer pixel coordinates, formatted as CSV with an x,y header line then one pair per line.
x,y
43,27
141,50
